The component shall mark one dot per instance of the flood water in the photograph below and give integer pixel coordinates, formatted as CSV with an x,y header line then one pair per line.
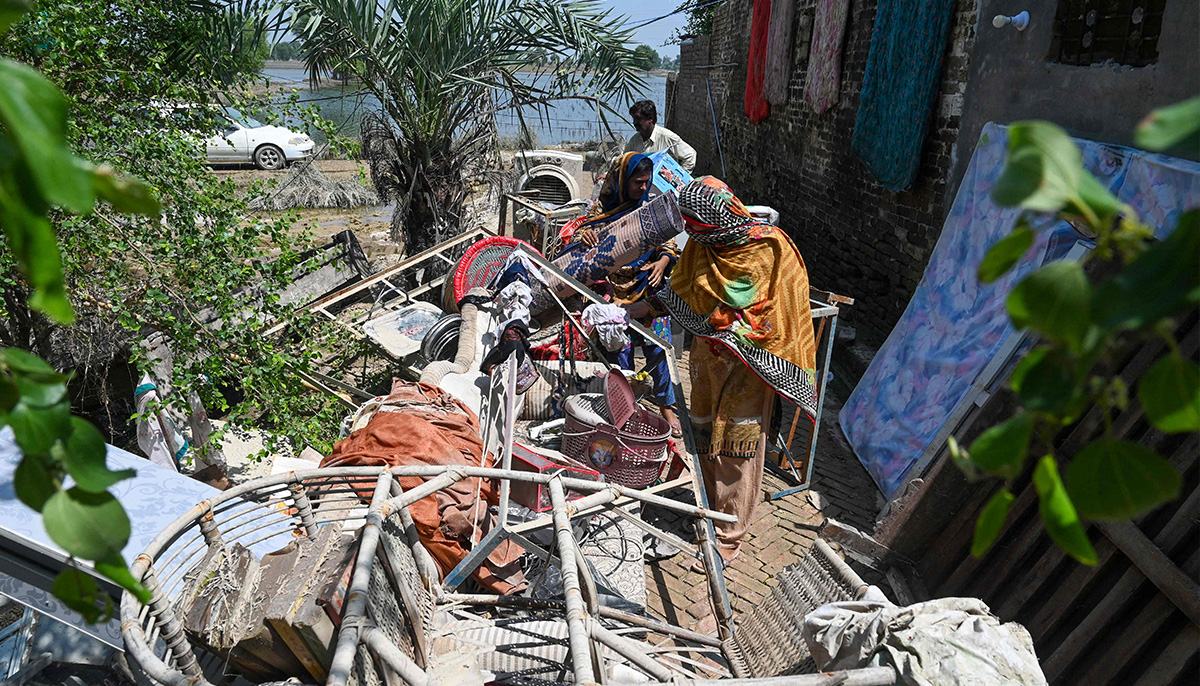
x,y
570,121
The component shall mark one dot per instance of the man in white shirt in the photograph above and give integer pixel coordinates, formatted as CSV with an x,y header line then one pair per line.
x,y
651,138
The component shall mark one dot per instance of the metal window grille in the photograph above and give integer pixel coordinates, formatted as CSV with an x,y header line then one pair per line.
x,y
1088,32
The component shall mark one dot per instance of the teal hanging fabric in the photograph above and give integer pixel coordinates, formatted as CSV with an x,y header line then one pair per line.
x,y
899,87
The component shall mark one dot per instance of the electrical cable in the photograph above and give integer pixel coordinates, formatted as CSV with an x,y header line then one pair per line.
x,y
680,10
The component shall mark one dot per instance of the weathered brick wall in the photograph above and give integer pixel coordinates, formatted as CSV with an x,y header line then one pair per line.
x,y
857,238
689,114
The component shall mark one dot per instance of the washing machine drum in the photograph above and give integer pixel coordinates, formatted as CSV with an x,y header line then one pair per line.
x,y
441,340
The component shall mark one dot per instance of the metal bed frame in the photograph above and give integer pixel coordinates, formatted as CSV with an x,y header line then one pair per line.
x,y
371,643
552,217
825,309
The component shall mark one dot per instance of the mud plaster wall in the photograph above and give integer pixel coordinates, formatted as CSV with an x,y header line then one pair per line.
x,y
1011,79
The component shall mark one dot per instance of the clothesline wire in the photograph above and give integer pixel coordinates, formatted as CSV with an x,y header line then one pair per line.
x,y
680,10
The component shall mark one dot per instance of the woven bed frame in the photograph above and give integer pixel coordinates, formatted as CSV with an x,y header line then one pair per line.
x,y
767,641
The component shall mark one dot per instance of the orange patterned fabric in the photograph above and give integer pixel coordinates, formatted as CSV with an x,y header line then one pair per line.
x,y
422,424
758,291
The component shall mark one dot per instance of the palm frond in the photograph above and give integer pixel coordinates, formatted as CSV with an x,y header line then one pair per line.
x,y
443,68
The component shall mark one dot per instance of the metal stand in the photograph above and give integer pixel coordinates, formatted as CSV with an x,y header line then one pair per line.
x,y
824,310
555,219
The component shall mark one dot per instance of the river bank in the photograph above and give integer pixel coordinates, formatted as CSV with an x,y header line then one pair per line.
x,y
298,65
570,121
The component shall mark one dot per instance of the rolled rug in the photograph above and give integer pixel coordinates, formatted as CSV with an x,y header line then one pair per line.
x,y
620,242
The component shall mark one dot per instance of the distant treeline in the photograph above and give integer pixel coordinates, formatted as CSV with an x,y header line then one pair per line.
x,y
648,57
287,51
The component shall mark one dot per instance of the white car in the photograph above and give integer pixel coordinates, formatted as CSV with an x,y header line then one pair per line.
x,y
245,139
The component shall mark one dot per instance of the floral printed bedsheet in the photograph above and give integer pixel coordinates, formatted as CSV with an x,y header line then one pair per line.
x,y
954,325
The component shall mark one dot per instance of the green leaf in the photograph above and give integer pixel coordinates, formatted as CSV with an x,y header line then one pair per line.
x,y
1112,479
1099,199
1043,168
40,394
1045,380
1005,253
92,526
1168,126
115,569
36,250
1170,395
1162,281
1001,449
11,11
9,397
84,457
35,113
28,364
36,428
51,299
1055,301
32,482
962,458
990,521
78,590
1021,178
1058,513
125,193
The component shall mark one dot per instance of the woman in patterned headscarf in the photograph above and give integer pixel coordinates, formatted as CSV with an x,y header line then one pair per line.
x,y
623,189
624,185
741,288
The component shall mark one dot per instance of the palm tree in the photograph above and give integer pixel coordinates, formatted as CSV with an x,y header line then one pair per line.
x,y
442,69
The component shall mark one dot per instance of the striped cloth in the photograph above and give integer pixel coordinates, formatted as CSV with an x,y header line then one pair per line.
x,y
779,51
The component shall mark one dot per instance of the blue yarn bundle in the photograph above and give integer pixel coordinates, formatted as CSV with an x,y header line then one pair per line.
x,y
901,80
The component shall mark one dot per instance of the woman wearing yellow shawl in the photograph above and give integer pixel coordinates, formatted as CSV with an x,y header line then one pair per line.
x,y
741,288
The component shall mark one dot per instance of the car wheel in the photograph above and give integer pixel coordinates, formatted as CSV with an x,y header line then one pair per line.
x,y
269,157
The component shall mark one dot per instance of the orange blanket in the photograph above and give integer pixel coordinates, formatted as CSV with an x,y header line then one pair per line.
x,y
421,424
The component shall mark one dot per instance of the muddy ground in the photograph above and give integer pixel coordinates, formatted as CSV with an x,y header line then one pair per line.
x,y
371,223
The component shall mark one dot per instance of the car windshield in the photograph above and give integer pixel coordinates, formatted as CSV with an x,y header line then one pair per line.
x,y
242,119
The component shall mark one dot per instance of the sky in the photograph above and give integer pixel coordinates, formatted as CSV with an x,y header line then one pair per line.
x,y
654,34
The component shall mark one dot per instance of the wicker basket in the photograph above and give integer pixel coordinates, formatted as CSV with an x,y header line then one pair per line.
x,y
632,455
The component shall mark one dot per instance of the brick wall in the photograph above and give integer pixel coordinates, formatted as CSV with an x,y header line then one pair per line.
x,y
857,238
689,112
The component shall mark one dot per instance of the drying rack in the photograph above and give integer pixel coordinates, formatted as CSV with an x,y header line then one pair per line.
x,y
798,474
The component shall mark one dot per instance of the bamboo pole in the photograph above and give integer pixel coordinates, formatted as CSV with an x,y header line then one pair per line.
x,y
577,634
356,598
631,651
393,658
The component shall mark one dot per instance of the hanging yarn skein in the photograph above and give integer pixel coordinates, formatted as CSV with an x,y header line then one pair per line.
x,y
779,51
825,54
904,66
757,107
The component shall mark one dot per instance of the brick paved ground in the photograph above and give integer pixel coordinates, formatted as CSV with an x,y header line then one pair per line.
x,y
780,534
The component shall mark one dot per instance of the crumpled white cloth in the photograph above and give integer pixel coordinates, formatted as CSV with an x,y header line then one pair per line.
x,y
943,642
514,302
611,324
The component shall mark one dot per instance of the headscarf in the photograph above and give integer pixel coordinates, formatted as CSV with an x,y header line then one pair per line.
x,y
612,202
713,215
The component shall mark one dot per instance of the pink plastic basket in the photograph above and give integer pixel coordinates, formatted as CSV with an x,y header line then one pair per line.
x,y
632,455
